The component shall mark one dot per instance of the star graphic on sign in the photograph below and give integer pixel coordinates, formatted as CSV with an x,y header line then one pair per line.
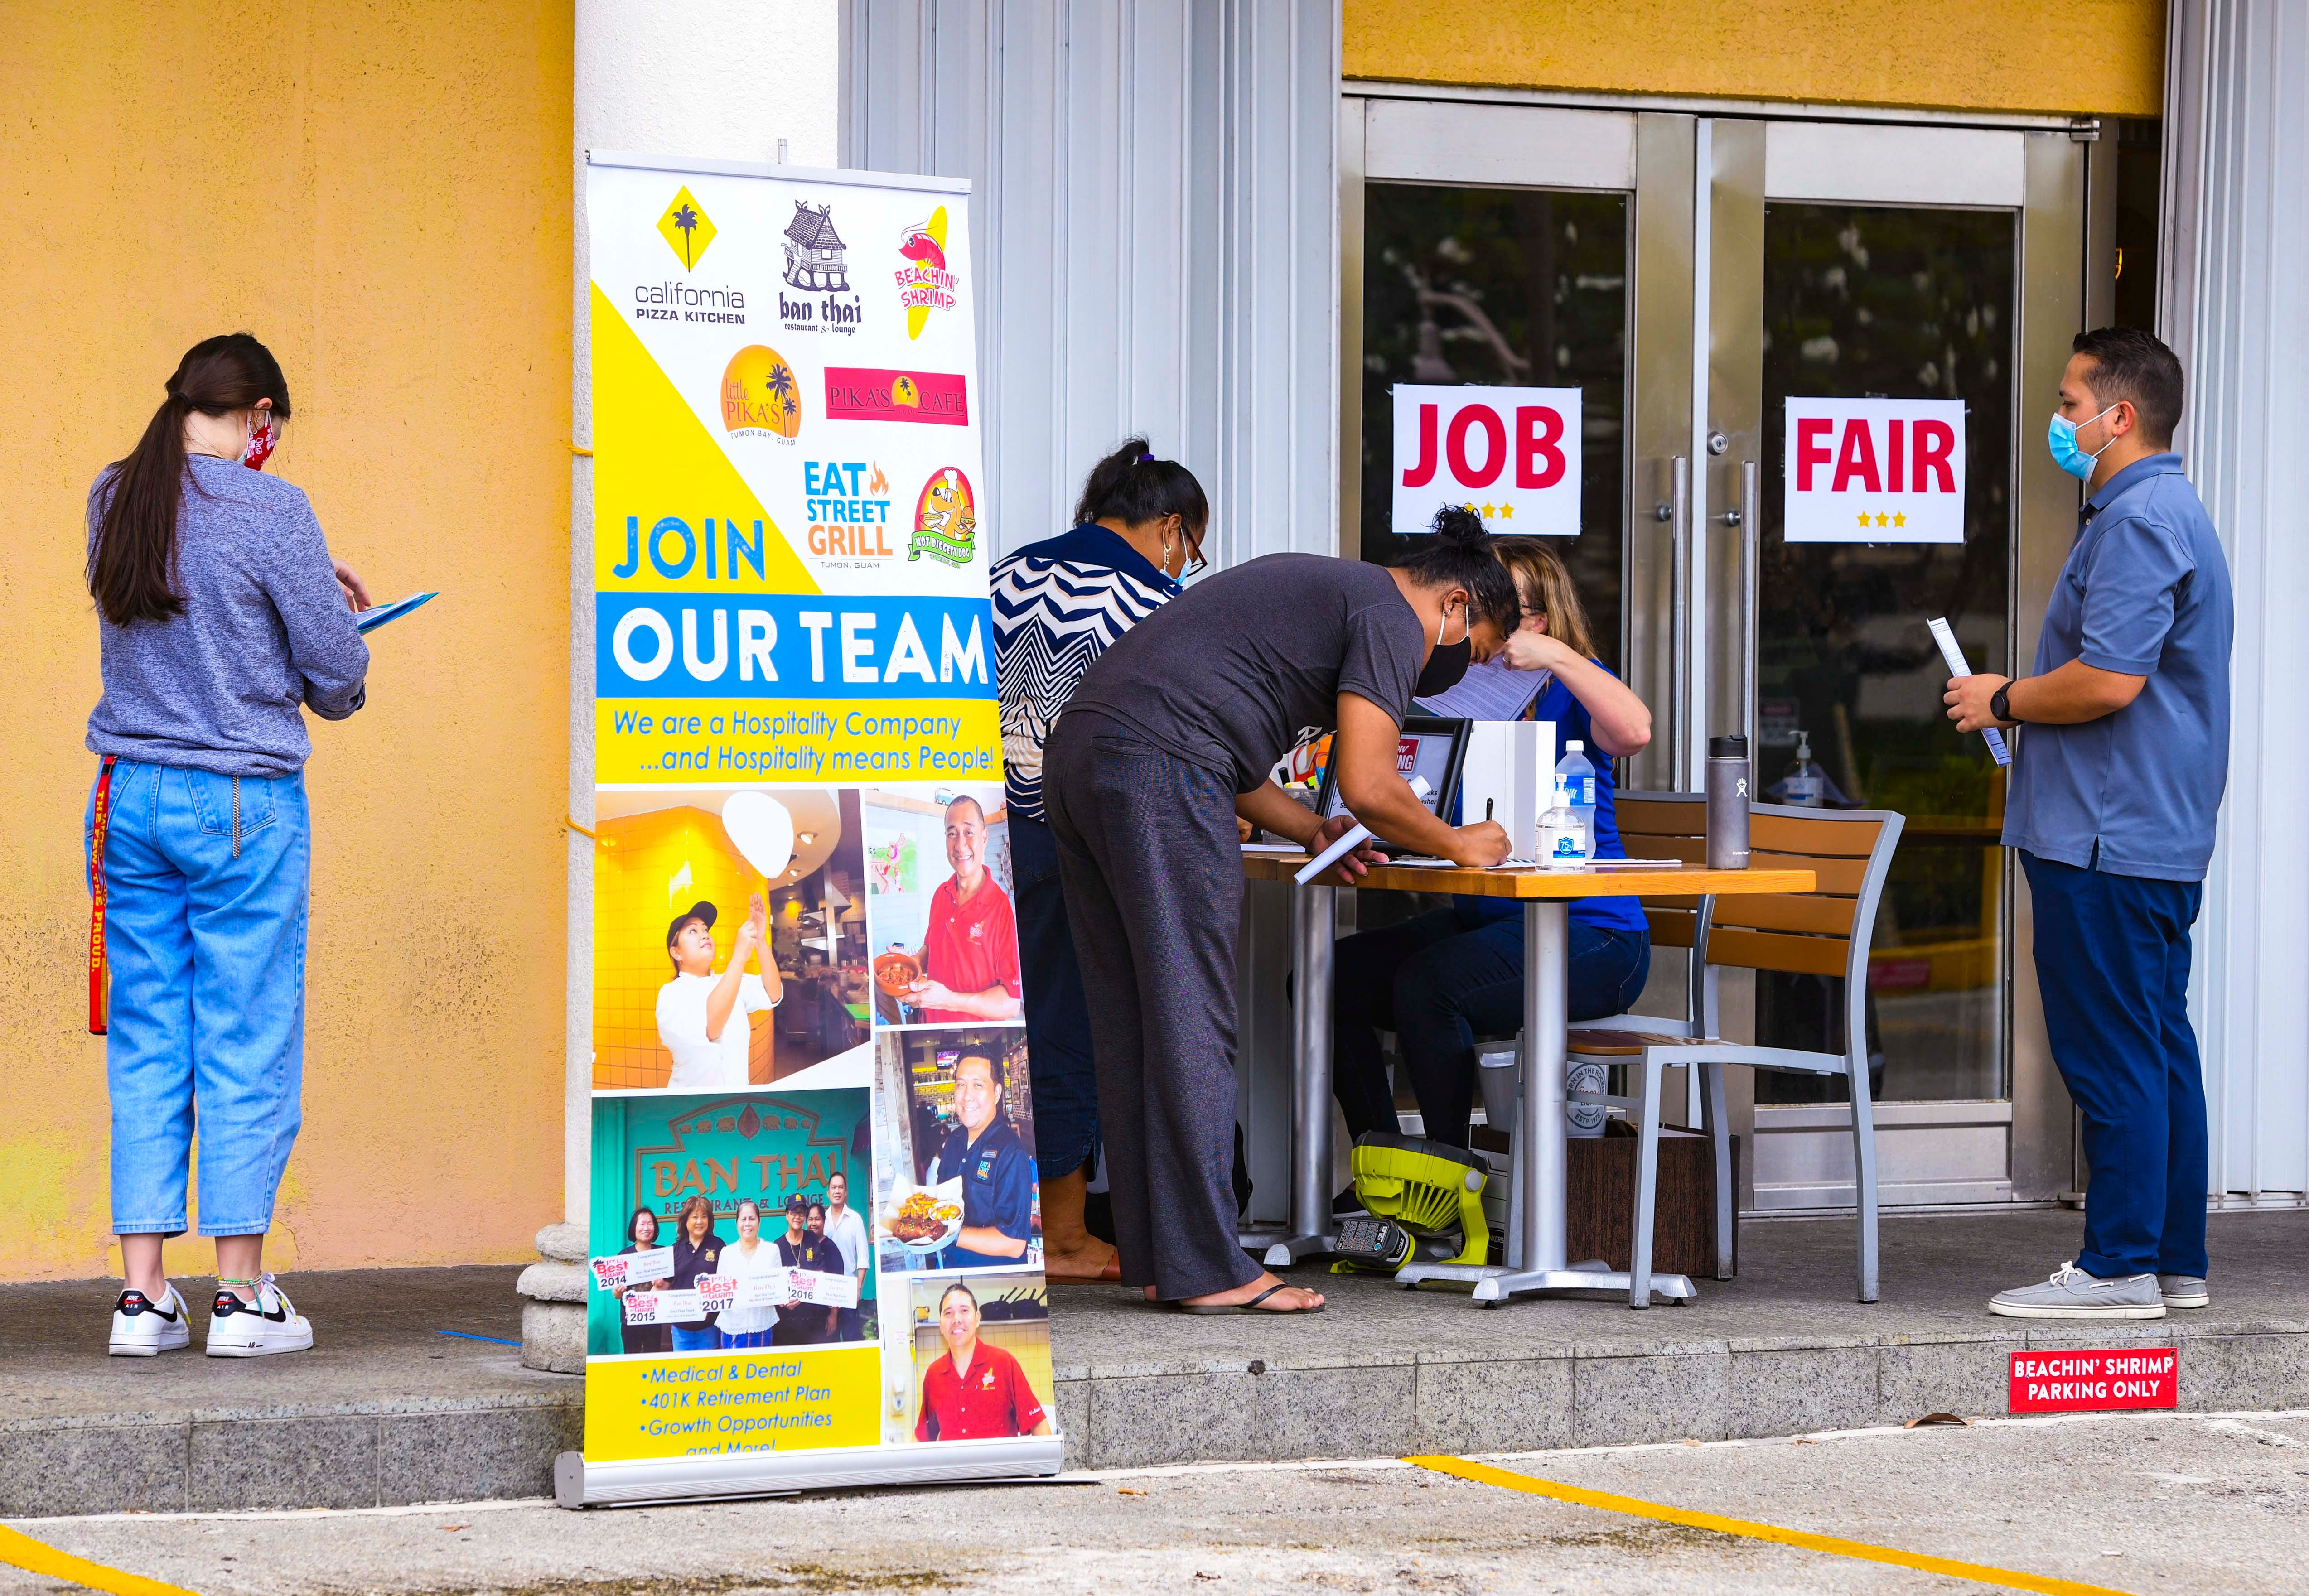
x,y
1863,518
1490,511
1507,512
1900,520
1882,519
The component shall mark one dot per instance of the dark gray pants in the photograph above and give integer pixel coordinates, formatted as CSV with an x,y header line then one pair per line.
x,y
1153,872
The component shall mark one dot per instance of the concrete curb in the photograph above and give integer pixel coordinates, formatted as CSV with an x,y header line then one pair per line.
x,y
1142,1413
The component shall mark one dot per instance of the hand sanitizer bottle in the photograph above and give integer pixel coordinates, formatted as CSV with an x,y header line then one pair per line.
x,y
1580,776
1804,787
1563,840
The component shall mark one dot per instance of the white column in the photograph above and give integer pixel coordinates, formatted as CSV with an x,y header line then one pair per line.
x,y
725,78
2234,303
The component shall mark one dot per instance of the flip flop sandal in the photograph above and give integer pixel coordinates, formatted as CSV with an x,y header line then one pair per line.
x,y
1111,1275
1209,1308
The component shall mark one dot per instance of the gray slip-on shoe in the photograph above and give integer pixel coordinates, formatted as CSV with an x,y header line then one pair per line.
x,y
2183,1291
2072,1294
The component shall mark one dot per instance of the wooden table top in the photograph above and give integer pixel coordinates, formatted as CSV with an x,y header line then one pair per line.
x,y
1688,881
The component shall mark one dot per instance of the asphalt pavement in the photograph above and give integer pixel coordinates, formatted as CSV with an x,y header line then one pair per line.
x,y
2132,1502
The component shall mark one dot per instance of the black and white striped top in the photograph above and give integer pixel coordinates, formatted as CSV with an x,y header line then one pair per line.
x,y
1058,605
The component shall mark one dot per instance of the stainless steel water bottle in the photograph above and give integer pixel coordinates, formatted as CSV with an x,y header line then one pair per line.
x,y
1729,784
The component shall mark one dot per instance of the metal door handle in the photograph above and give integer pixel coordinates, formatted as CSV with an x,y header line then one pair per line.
x,y
1680,564
1749,519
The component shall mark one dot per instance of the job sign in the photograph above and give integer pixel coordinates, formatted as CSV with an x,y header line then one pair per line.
x,y
1511,454
1875,470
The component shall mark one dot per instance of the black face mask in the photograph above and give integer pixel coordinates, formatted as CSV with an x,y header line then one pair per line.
x,y
1447,663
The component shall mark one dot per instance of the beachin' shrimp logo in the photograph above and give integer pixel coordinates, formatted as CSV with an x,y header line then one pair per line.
x,y
924,283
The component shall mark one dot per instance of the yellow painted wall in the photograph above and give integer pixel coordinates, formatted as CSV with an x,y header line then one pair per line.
x,y
2103,56
381,193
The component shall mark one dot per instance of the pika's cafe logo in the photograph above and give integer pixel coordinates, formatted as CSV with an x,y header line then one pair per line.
x,y
685,227
872,393
761,397
924,283
946,519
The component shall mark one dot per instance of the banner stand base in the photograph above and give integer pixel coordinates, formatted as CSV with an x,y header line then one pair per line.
x,y
579,1483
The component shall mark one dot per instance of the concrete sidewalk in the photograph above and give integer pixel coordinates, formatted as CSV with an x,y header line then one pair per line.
x,y
386,1409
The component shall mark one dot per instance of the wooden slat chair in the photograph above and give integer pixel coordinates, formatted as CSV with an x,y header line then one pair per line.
x,y
1824,932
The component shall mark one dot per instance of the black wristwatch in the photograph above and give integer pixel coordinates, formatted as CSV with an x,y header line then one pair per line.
x,y
2000,706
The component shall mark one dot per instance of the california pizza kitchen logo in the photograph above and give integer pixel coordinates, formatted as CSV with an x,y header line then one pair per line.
x,y
924,283
817,262
689,232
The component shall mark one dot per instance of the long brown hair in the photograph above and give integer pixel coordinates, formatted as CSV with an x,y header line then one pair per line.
x,y
131,561
1538,569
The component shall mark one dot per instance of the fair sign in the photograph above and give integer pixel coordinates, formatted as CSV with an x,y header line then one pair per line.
x,y
1875,471
1509,455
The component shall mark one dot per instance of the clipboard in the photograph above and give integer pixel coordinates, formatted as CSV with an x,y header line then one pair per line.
x,y
366,621
1954,656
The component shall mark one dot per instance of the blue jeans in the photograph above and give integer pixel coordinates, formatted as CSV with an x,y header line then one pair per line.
x,y
204,933
750,1338
706,1337
1058,1015
2112,965
1438,985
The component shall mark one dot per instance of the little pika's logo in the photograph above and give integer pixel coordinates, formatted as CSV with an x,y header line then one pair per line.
x,y
946,519
759,395
686,228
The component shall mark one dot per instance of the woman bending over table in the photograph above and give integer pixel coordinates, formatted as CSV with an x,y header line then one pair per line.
x,y
1168,740
1445,977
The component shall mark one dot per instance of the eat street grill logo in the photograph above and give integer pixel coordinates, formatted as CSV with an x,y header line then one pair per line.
x,y
686,228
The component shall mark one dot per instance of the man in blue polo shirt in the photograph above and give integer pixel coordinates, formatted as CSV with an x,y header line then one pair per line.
x,y
996,1171
2116,784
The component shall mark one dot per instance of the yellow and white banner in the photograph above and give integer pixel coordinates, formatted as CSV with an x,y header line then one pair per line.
x,y
806,992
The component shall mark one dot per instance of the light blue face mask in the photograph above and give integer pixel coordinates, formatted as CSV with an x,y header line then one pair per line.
x,y
2061,438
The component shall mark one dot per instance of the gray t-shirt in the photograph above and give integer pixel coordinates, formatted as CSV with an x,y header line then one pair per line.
x,y
2145,592
265,628
1229,674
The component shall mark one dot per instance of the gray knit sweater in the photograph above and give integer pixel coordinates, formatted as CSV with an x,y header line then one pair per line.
x,y
264,629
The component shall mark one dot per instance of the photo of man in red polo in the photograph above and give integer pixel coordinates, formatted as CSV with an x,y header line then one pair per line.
x,y
974,1391
969,955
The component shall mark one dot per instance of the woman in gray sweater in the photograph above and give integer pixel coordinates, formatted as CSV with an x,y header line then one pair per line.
x,y
222,617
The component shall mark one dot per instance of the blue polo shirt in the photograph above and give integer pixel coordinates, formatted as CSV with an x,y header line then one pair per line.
x,y
2145,592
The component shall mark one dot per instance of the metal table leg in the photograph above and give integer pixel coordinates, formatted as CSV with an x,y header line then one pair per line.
x,y
1540,1244
1313,922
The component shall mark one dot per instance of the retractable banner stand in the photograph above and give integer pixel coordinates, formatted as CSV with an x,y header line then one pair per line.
x,y
817,1255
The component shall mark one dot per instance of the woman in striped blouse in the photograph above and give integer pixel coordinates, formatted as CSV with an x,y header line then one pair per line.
x,y
1058,605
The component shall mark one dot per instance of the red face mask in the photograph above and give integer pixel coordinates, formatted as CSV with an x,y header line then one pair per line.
x,y
261,444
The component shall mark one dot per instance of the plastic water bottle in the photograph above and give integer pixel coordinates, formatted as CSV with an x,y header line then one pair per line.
x,y
1803,786
1580,777
1563,840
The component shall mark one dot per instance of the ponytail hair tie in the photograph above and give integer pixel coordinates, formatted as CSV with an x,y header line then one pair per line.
x,y
1142,460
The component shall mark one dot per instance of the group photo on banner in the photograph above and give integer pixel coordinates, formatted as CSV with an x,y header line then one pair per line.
x,y
817,1251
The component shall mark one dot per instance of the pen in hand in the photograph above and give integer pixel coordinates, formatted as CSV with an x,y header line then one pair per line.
x,y
1487,808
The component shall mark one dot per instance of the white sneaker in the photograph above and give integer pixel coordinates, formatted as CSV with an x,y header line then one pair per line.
x,y
142,1329
270,1323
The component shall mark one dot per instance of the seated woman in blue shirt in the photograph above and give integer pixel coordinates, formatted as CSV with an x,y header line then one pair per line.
x,y
1442,980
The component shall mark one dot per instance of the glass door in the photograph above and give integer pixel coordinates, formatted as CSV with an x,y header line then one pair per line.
x,y
1856,264
1690,277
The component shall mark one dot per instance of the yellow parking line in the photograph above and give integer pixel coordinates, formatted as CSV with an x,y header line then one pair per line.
x,y
39,1558
1484,1474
